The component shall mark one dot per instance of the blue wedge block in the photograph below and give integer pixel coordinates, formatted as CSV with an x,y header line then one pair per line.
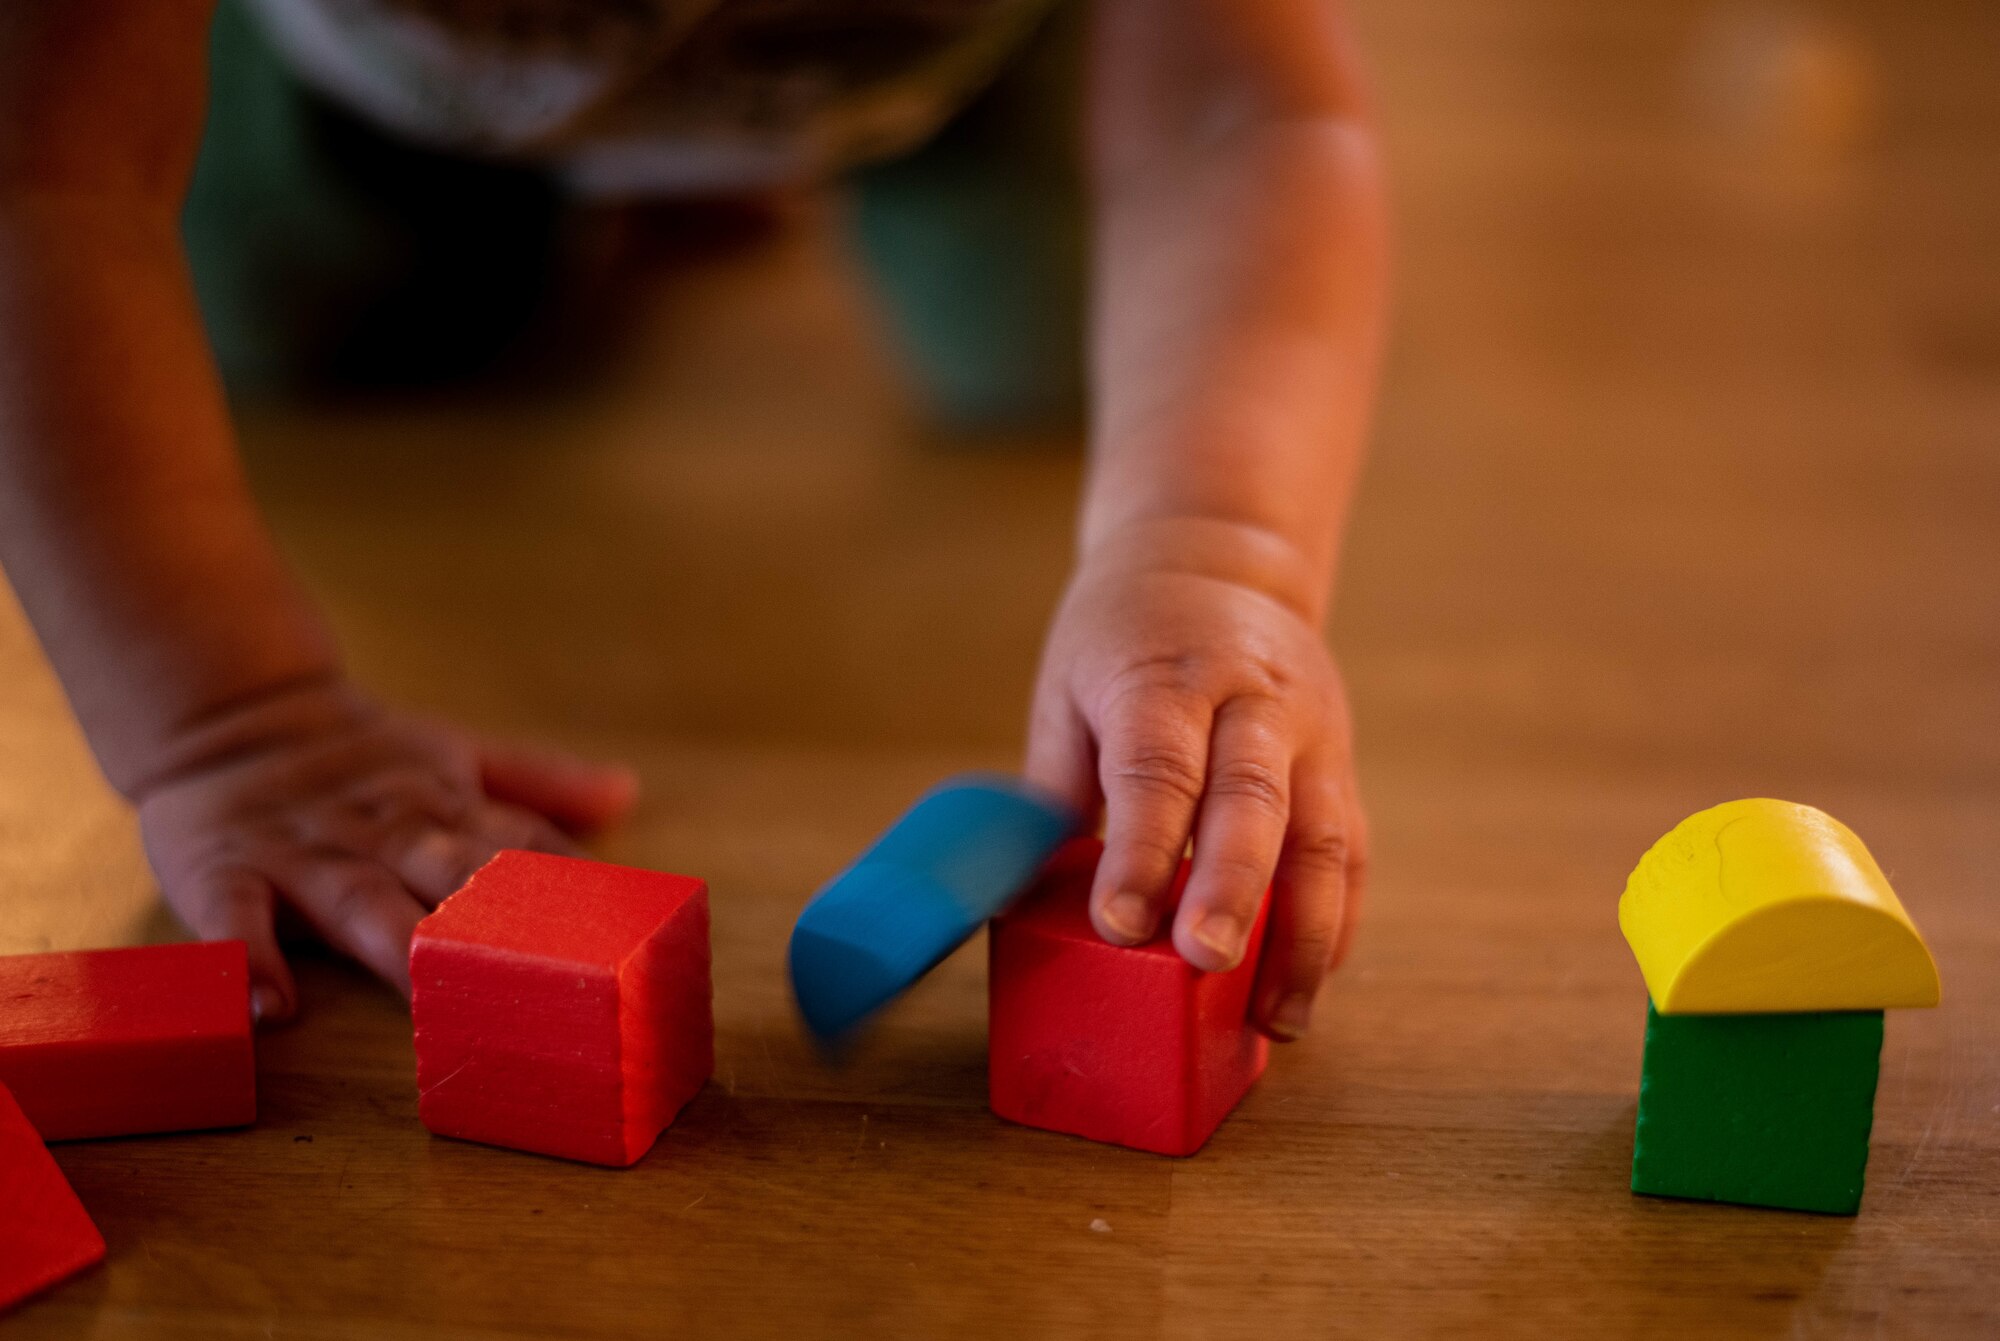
x,y
955,858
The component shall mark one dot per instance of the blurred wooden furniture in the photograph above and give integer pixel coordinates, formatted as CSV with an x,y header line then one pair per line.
x,y
1687,488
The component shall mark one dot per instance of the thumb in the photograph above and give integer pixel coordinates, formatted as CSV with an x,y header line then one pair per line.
x,y
1062,755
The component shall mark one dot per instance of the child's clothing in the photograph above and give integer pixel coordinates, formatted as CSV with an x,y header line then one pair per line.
x,y
383,182
655,95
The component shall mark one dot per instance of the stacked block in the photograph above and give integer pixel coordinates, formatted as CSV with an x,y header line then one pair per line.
x,y
1768,1110
1771,943
45,1234
119,1042
1129,1045
957,857
563,1007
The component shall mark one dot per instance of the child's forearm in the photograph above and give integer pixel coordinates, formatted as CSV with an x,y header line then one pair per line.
x,y
126,526
1240,263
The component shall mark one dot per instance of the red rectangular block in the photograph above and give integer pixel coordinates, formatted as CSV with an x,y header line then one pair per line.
x,y
118,1042
563,1007
45,1234
1134,1046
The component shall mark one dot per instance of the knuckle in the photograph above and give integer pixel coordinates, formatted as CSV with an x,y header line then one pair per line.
x,y
1243,872
411,793
1145,859
1304,951
1156,693
1357,866
345,903
1166,774
1252,781
212,902
433,857
1321,850
1310,952
1164,671
351,896
1270,677
1154,848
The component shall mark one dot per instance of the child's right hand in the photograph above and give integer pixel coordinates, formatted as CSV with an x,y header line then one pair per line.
x,y
357,819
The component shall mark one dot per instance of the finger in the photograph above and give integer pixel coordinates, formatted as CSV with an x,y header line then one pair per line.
x,y
387,812
576,794
357,907
235,904
1308,903
500,828
433,861
421,792
1356,885
1151,758
495,827
1061,756
1240,827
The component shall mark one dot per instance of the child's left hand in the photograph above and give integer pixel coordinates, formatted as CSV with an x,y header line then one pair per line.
x,y
1192,696
318,802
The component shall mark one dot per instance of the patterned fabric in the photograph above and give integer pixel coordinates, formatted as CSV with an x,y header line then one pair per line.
x,y
655,95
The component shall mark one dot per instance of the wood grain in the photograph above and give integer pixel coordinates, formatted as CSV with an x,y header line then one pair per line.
x,y
1687,487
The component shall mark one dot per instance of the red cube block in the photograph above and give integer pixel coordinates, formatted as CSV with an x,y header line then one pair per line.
x,y
45,1234
562,1007
1134,1046
117,1042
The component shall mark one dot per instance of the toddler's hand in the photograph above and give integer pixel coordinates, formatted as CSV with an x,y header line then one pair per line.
x,y
1187,691
357,819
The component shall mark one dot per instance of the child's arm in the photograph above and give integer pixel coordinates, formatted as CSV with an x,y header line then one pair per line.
x,y
1240,263
209,688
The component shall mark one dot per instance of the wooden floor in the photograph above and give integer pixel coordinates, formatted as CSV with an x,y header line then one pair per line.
x,y
1687,487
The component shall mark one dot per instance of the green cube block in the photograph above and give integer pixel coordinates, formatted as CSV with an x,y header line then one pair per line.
x,y
1762,1110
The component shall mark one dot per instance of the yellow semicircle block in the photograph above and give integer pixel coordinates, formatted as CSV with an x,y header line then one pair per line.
x,y
1764,907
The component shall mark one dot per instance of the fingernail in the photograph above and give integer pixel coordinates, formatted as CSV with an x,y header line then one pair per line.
x,y
265,1004
1291,1017
1129,917
1223,934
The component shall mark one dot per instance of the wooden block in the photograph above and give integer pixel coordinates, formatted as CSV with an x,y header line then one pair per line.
x,y
1134,1046
1762,1110
45,1234
1762,906
963,852
563,1007
119,1042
